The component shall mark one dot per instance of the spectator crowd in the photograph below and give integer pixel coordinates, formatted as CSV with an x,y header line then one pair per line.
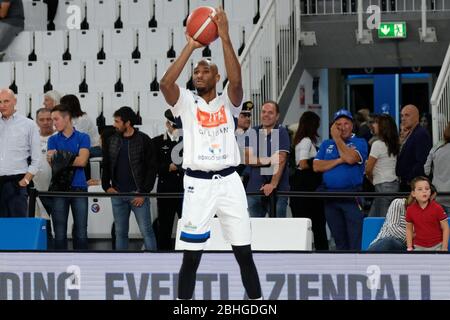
x,y
364,152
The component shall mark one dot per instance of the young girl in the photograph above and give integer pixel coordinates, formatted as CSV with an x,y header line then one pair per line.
x,y
426,222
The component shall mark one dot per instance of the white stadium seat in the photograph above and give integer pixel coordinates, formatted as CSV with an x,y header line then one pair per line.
x,y
210,3
6,70
50,45
101,14
136,13
67,75
35,13
154,107
85,44
120,43
20,48
23,103
90,103
125,76
31,76
170,12
152,111
37,102
29,103
287,234
179,39
235,35
139,74
239,11
101,75
154,42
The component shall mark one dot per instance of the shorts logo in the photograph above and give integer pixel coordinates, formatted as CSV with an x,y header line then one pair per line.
x,y
190,226
211,119
95,208
190,189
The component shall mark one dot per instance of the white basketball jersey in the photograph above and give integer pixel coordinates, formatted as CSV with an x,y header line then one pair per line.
x,y
209,143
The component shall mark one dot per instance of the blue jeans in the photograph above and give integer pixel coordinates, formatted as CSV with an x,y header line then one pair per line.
x,y
380,206
60,214
13,201
387,244
121,208
258,206
345,220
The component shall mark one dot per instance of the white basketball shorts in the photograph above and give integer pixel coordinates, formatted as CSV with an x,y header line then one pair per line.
x,y
203,199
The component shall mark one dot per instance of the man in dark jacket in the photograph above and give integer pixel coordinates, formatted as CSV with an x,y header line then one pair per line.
x,y
414,150
170,179
129,165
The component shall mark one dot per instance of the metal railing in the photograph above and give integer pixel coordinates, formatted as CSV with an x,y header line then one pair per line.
x,y
440,101
332,7
34,194
272,53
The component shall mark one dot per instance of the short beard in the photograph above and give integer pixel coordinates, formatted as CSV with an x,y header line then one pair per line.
x,y
202,91
121,131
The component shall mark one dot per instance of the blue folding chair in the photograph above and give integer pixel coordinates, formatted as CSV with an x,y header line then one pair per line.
x,y
371,228
23,234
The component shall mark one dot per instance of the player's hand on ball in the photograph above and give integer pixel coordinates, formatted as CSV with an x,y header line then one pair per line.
x,y
192,43
221,20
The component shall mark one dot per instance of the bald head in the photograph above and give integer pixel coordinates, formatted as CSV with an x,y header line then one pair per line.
x,y
209,64
410,116
205,77
7,102
7,91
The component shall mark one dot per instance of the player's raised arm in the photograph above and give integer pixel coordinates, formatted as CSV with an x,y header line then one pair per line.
x,y
232,66
168,87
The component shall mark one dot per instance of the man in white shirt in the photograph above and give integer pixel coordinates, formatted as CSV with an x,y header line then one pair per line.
x,y
43,177
19,141
44,205
210,156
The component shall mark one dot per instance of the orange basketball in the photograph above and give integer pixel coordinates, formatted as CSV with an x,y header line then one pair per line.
x,y
200,26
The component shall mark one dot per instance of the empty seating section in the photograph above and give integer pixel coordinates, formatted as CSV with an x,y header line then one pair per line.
x,y
139,39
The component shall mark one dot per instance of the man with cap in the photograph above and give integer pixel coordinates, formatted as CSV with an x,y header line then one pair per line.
x,y
243,123
342,159
170,179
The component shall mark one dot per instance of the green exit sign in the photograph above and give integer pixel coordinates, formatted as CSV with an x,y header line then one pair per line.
x,y
392,30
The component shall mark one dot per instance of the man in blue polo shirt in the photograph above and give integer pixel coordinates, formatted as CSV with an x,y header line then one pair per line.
x,y
77,144
342,160
266,155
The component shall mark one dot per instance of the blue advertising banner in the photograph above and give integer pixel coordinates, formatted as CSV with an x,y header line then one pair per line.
x,y
386,94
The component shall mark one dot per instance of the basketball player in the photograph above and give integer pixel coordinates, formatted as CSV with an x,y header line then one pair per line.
x,y
211,154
